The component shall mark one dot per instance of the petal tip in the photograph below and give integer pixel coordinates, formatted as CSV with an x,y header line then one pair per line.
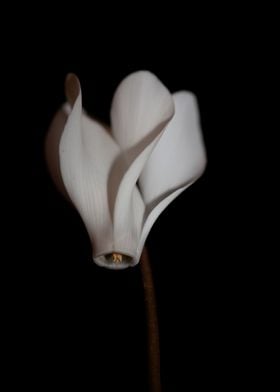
x,y
72,88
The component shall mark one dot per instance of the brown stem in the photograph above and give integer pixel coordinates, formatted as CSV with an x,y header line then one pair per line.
x,y
152,323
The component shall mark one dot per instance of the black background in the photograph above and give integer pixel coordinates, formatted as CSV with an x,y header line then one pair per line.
x,y
71,323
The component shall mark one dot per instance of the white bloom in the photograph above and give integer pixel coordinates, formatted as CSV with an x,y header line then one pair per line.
x,y
121,180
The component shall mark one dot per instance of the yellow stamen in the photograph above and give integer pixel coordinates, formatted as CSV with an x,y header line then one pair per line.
x,y
117,258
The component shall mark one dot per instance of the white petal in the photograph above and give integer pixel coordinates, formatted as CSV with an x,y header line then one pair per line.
x,y
177,161
140,105
141,108
129,207
52,148
87,153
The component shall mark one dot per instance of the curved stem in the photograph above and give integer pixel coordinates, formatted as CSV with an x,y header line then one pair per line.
x,y
152,323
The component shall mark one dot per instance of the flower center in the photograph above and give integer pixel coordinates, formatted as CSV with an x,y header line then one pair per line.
x,y
118,258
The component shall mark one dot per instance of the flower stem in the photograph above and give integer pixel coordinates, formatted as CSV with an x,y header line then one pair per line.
x,y
152,323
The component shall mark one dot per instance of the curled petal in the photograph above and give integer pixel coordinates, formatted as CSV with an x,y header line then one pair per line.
x,y
141,109
177,161
87,153
52,147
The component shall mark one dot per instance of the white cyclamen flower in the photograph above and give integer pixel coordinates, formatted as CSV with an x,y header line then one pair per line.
x,y
121,179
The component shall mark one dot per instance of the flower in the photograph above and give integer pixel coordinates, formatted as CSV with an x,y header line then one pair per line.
x,y
121,179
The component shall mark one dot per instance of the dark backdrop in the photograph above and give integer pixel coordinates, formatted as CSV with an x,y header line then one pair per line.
x,y
71,323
